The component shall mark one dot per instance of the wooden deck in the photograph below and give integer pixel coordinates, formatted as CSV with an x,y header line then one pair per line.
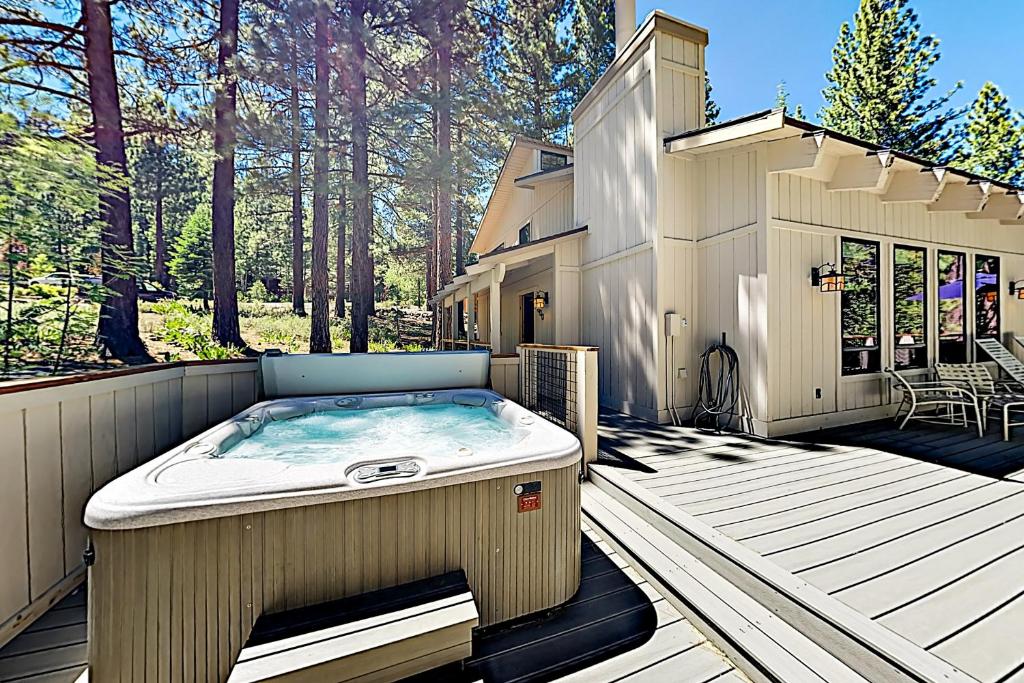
x,y
617,628
53,649
913,529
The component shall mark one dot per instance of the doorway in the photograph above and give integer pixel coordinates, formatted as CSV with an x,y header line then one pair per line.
x,y
526,317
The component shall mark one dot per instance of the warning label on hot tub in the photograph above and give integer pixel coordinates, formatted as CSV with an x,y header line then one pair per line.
x,y
529,502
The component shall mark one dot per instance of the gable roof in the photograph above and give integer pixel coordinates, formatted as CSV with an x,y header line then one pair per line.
x,y
512,168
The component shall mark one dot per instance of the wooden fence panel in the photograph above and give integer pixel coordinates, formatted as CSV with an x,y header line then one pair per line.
x,y
64,438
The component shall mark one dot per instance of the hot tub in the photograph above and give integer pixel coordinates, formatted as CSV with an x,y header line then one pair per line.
x,y
301,500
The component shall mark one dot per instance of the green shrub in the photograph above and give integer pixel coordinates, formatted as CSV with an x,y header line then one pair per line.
x,y
190,331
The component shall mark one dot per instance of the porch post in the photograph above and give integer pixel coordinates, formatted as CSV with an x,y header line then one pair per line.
x,y
455,321
497,275
566,292
470,315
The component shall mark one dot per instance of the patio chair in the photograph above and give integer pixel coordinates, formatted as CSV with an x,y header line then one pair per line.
x,y
1006,361
924,395
976,378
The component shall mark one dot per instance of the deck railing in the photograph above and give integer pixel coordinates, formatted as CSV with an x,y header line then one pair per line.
x,y
560,384
64,438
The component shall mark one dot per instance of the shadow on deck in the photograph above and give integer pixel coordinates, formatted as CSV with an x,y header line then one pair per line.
x,y
949,446
610,614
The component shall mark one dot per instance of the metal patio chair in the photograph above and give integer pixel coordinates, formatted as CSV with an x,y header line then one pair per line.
x,y
957,401
1006,361
976,378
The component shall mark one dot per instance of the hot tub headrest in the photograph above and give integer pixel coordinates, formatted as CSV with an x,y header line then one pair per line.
x,y
284,375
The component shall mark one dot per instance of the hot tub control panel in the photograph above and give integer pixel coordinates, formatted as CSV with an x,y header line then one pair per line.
x,y
385,470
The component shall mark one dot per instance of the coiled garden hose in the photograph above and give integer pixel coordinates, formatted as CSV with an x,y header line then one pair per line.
x,y
717,397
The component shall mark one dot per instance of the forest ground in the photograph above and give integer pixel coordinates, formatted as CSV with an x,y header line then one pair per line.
x,y
181,330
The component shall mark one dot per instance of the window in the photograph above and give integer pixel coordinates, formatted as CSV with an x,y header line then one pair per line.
x,y
952,308
860,316
910,293
524,234
986,296
549,161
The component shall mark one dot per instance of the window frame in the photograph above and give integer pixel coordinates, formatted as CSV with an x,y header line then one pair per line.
x,y
925,309
876,349
562,158
939,253
529,236
998,292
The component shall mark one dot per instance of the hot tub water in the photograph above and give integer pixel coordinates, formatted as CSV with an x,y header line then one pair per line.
x,y
337,436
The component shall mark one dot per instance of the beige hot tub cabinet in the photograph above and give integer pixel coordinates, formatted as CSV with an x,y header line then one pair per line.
x,y
176,602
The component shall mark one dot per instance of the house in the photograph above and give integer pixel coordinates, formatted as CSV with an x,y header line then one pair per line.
x,y
722,225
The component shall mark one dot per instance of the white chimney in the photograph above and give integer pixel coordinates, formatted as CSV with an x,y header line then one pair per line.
x,y
625,23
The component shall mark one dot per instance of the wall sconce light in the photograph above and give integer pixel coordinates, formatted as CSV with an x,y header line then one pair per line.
x,y
826,278
540,300
1017,288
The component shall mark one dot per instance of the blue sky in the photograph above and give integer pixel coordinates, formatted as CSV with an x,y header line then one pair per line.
x,y
754,44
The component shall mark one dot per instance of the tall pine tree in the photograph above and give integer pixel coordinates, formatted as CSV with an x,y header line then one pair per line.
x,y
534,57
593,44
880,85
711,108
994,138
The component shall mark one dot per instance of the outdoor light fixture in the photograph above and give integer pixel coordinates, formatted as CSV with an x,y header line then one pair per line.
x,y
540,300
826,278
1017,288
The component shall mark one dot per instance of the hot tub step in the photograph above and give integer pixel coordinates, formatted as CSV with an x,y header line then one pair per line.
x,y
379,636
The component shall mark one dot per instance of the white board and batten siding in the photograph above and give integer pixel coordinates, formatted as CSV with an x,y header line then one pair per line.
x,y
715,270
807,223
64,440
616,160
547,208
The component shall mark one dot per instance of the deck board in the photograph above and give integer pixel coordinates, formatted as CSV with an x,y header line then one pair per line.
x,y
921,530
53,649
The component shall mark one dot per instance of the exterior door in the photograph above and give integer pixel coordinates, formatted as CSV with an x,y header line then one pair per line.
x,y
526,319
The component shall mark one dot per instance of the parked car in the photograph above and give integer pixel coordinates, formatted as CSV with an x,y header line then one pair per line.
x,y
61,280
152,292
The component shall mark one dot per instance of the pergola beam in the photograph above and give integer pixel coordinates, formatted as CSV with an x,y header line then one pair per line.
x,y
969,197
1002,207
922,186
869,172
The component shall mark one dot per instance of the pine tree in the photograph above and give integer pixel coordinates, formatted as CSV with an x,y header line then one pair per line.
x,y
534,57
711,108
225,295
593,45
782,100
994,138
880,85
191,263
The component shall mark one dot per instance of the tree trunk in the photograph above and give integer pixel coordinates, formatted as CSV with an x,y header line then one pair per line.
x,y
320,332
362,270
339,268
225,296
119,312
160,247
460,227
444,143
298,240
